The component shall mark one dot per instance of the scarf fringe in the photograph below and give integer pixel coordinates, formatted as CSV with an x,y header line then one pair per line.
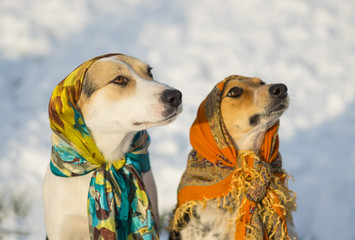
x,y
178,222
277,197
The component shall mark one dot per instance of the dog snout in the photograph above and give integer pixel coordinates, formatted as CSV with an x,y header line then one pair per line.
x,y
171,97
278,90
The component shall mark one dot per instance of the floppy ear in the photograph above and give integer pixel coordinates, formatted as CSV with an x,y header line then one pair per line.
x,y
88,86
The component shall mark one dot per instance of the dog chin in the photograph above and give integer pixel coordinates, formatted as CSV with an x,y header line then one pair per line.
x,y
273,114
166,120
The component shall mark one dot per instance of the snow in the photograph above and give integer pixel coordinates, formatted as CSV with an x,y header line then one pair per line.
x,y
308,45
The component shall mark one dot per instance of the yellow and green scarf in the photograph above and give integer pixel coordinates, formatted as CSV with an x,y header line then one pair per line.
x,y
118,205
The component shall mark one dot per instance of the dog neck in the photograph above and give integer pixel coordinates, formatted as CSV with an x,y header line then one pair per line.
x,y
250,141
113,145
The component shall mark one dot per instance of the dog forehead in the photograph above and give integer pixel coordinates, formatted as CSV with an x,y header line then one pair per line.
x,y
122,61
138,66
243,82
111,66
105,69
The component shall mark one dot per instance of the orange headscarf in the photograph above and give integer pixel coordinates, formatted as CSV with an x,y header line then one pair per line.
x,y
215,169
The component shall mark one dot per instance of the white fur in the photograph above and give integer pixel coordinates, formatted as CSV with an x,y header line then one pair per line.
x,y
254,139
212,218
113,126
220,223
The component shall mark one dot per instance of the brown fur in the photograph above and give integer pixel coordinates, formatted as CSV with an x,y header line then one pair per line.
x,y
250,113
246,117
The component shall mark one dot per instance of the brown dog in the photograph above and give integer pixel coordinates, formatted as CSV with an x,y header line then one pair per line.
x,y
234,186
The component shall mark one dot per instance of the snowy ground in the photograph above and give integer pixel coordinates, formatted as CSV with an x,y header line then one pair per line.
x,y
308,45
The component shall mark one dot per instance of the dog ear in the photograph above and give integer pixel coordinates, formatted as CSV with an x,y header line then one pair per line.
x,y
88,87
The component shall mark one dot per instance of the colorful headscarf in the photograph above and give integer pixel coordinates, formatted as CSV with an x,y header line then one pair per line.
x,y
118,205
253,181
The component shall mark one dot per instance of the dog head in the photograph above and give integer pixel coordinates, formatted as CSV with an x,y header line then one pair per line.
x,y
119,93
249,107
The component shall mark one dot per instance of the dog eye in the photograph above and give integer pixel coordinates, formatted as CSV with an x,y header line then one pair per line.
x,y
235,92
149,72
120,80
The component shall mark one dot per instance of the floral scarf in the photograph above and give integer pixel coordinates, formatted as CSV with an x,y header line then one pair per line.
x,y
118,205
253,181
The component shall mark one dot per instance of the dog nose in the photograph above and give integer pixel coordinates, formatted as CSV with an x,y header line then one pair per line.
x,y
171,97
278,90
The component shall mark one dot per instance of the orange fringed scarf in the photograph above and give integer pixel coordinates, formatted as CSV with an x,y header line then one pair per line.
x,y
215,170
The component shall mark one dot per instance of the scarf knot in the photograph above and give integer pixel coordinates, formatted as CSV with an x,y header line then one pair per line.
x,y
253,174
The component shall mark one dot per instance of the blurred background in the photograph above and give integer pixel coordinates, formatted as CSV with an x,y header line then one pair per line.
x,y
308,45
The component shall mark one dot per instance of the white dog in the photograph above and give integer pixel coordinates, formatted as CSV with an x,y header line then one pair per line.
x,y
119,97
